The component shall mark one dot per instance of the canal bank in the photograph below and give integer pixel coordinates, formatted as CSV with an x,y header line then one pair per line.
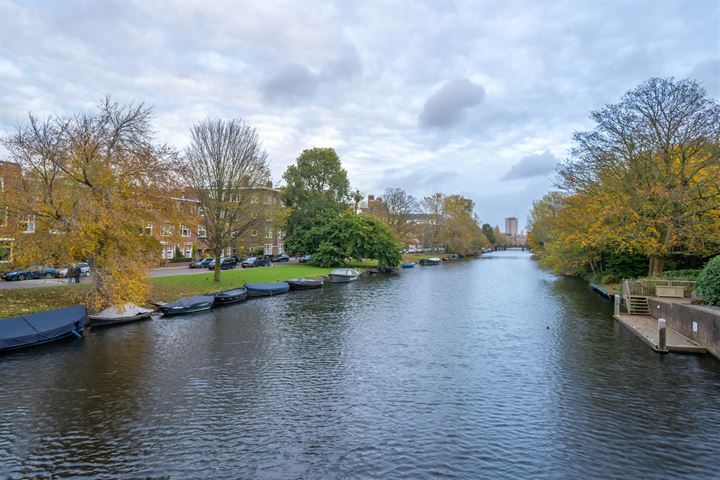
x,y
485,368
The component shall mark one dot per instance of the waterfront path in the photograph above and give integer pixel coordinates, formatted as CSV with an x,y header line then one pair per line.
x,y
645,327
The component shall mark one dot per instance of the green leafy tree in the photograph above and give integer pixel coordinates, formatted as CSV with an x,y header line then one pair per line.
x,y
488,231
352,236
316,171
317,188
708,282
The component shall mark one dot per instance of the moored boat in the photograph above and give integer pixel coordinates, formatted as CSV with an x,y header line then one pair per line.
x,y
266,289
44,327
198,303
119,314
304,283
228,297
430,261
408,265
343,275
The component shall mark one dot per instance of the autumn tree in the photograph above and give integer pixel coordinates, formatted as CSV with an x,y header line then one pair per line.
x,y
396,211
90,185
460,231
434,206
226,168
652,164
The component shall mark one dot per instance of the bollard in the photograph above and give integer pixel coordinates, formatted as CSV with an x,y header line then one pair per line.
x,y
662,335
617,305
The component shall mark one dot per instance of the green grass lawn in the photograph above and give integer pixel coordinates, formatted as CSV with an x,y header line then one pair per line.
x,y
176,286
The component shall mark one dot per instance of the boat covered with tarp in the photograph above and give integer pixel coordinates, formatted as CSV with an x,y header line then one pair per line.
x,y
343,275
228,297
198,303
43,327
408,265
305,283
430,261
266,289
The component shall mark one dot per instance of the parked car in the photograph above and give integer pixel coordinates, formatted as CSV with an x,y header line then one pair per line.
x,y
256,262
227,263
31,272
202,263
84,270
283,257
304,259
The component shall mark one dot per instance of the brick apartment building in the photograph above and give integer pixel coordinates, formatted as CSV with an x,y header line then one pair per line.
x,y
189,240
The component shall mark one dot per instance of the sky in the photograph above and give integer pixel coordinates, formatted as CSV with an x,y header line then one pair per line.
x,y
472,98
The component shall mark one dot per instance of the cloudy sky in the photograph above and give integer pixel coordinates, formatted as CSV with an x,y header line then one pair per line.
x,y
476,98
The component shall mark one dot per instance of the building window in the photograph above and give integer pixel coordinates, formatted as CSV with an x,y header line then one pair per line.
x,y
254,199
169,251
202,232
253,232
166,230
2,184
148,229
201,211
188,250
269,233
184,231
5,251
27,223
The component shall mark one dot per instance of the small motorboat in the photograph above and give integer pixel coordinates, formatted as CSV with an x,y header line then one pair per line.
x,y
194,304
119,314
297,284
408,265
266,289
430,261
39,328
453,256
228,297
343,275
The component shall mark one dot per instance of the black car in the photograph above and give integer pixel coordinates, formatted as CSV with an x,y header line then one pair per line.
x,y
225,264
202,263
32,272
283,257
256,262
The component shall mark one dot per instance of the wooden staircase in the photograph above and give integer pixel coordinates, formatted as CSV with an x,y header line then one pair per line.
x,y
638,305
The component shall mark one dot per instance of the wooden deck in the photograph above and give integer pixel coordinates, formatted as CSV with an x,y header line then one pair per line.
x,y
645,327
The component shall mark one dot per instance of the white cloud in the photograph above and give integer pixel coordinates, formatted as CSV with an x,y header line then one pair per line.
x,y
426,97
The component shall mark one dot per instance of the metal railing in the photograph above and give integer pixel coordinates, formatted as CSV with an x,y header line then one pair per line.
x,y
647,286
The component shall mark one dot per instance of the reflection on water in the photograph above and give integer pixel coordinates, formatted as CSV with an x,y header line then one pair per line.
x,y
485,368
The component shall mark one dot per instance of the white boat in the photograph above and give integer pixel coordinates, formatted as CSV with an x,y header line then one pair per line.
x,y
343,275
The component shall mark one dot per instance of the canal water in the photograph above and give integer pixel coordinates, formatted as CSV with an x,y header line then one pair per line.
x,y
484,368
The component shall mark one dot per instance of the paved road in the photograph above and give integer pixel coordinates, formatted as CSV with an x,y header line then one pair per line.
x,y
53,282
156,272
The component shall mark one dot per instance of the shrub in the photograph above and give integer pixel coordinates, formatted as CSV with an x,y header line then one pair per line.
x,y
687,273
708,282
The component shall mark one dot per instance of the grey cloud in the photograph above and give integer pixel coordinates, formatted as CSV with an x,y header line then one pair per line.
x,y
445,107
708,72
289,82
346,67
532,166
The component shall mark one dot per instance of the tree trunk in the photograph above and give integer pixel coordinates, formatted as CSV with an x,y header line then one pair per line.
x,y
656,266
218,259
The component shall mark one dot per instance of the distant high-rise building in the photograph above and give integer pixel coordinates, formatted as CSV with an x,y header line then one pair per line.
x,y
511,227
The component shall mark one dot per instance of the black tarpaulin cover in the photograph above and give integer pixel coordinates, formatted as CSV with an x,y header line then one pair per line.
x,y
41,327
